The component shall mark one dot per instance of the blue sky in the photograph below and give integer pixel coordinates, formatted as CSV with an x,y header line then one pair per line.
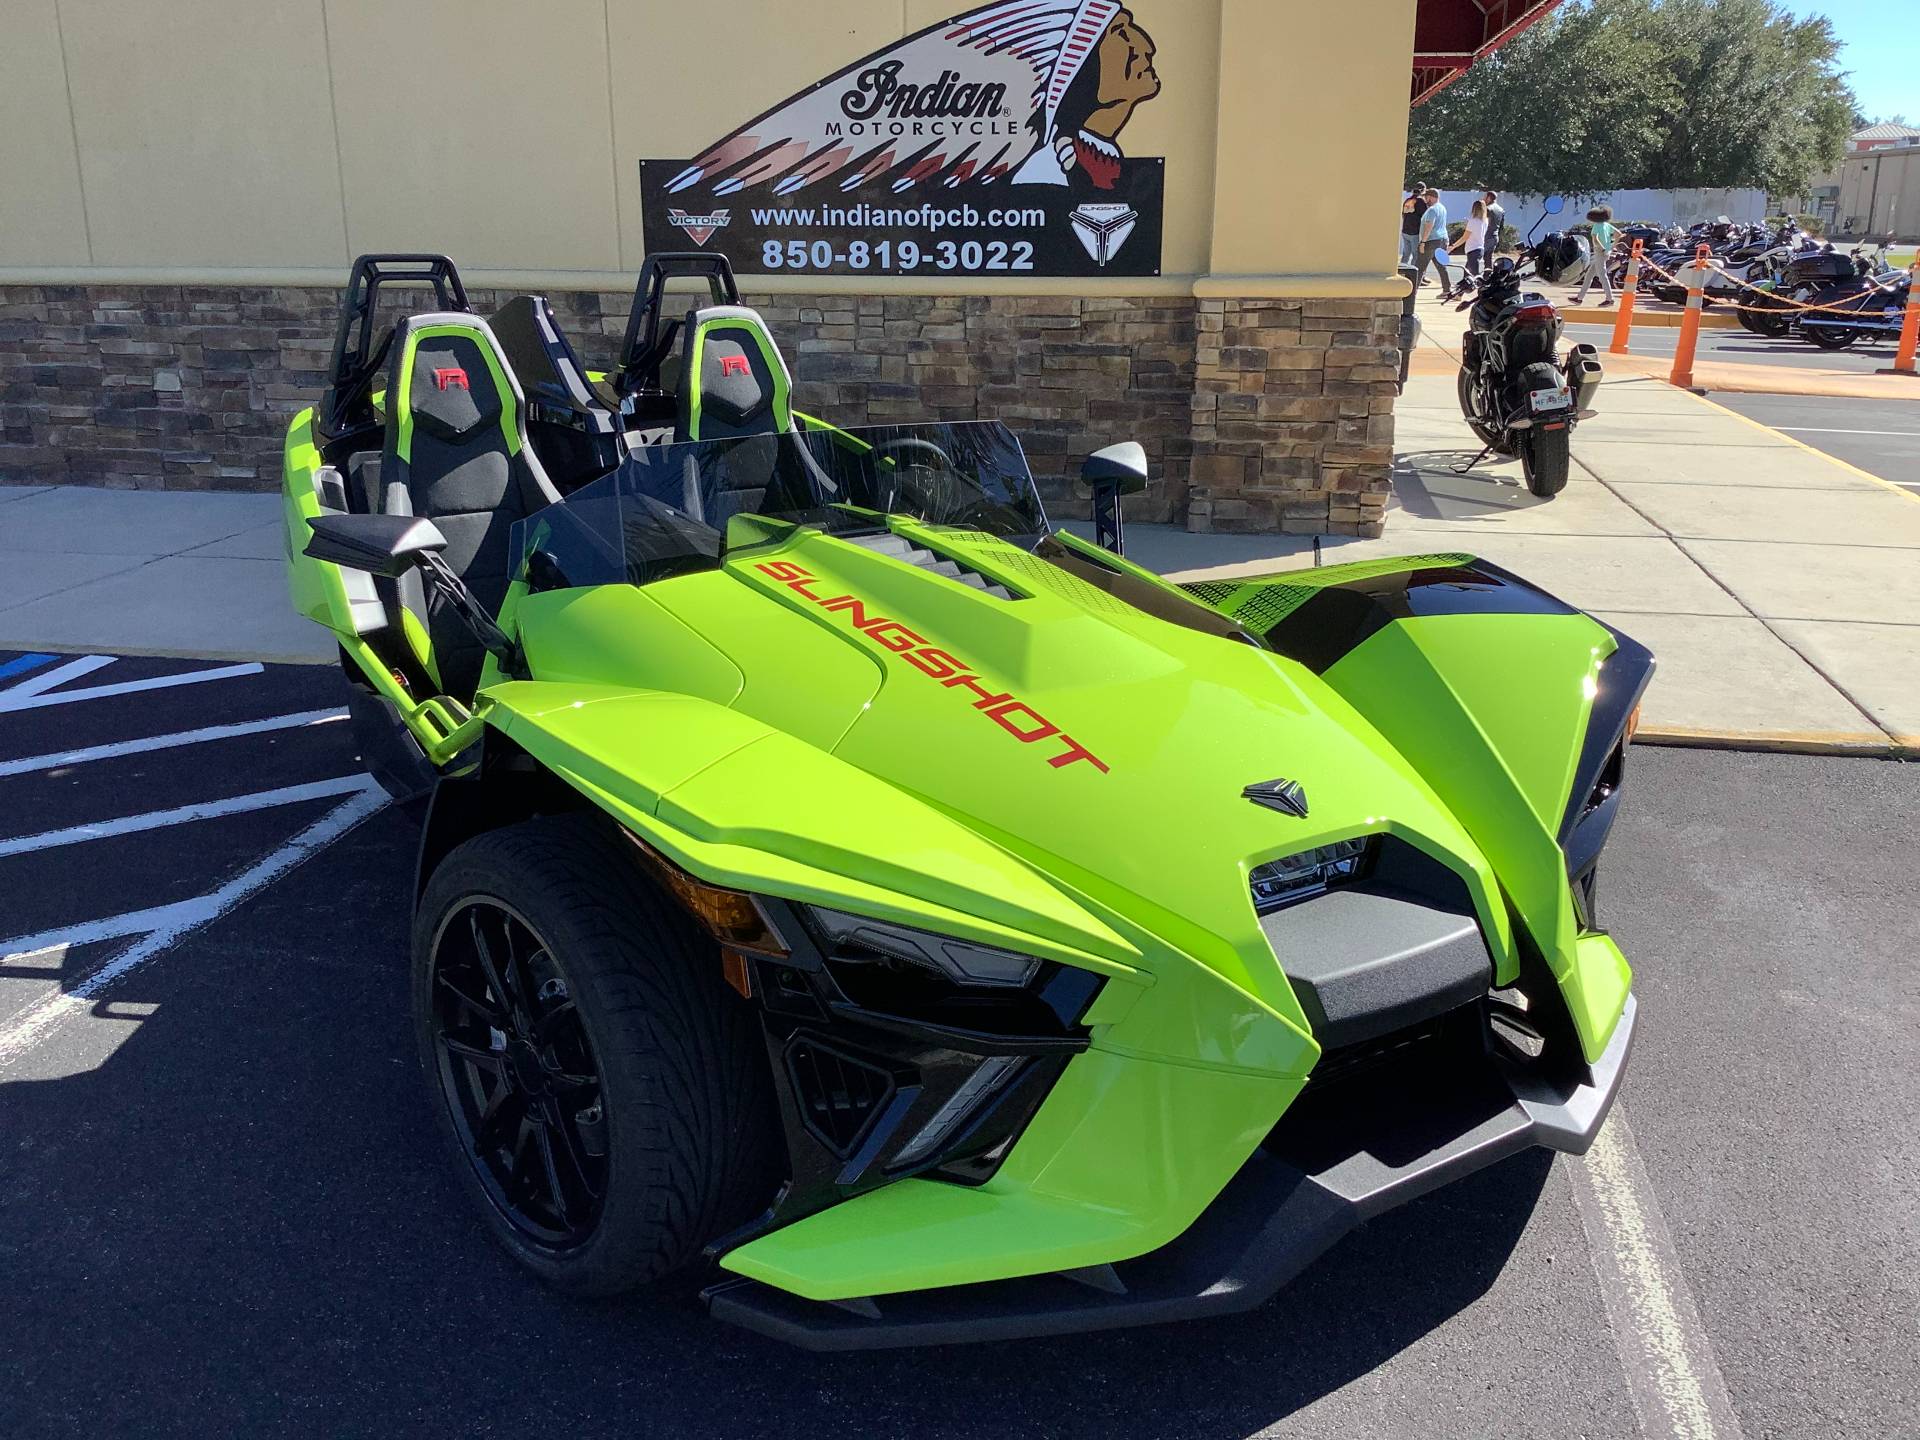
x,y
1883,51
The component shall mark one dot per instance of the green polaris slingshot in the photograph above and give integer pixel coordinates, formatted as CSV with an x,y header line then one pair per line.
x,y
935,926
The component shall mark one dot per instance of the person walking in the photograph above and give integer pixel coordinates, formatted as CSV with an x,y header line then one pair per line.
x,y
1496,224
1411,209
1433,244
1600,237
1474,241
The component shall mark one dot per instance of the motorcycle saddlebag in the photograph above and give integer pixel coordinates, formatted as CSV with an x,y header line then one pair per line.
x,y
1817,270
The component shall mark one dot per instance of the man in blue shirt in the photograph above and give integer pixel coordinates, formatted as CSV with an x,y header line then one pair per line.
x,y
1433,243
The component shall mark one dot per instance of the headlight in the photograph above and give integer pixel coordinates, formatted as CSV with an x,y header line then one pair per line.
x,y
1311,872
961,961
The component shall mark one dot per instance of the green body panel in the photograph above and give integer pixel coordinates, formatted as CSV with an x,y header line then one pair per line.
x,y
813,761
1119,1161
317,589
748,807
1492,709
1060,774
442,725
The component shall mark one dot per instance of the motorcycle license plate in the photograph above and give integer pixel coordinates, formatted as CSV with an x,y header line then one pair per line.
x,y
1558,398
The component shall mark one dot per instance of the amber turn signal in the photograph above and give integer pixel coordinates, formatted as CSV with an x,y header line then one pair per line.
x,y
732,918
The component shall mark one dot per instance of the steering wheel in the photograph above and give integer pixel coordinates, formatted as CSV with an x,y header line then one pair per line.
x,y
909,452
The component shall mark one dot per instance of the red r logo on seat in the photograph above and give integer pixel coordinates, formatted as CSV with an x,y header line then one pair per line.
x,y
451,375
734,365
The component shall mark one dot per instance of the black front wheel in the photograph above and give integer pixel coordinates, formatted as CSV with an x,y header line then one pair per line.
x,y
607,1093
1546,457
1494,439
1828,337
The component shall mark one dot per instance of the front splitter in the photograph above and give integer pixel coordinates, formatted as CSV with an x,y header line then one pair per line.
x,y
1271,1221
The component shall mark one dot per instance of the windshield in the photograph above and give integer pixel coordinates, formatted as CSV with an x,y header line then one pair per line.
x,y
667,509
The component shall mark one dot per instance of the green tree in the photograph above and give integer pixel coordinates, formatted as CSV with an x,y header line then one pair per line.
x,y
1621,94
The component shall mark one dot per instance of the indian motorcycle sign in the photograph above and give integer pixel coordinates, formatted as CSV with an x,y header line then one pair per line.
x,y
987,144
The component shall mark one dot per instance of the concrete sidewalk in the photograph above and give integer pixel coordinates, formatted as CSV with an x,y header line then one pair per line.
x,y
1779,587
148,572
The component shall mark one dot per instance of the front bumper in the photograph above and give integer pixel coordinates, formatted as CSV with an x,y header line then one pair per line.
x,y
1298,1194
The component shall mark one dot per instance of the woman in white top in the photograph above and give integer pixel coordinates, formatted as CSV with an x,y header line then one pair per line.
x,y
1474,241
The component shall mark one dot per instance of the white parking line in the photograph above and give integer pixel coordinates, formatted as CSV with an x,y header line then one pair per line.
x,y
91,932
59,675
25,1027
9,702
81,756
1672,1376
180,815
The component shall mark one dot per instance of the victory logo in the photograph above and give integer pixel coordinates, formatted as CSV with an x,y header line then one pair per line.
x,y
699,228
1032,91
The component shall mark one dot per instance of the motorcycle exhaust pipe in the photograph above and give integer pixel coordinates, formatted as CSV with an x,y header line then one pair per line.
x,y
1583,374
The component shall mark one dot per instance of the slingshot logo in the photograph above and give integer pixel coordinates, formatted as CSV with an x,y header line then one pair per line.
x,y
1103,229
699,228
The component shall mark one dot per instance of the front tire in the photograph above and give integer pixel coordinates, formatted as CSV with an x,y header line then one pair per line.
x,y
1546,457
1827,338
607,1093
1493,439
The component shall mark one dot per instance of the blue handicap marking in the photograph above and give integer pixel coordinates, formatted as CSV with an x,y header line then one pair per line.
x,y
20,664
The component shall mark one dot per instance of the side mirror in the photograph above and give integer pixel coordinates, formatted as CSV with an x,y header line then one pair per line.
x,y
390,546
385,545
1110,473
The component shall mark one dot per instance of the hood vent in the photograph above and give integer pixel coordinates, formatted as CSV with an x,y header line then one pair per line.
x,y
901,548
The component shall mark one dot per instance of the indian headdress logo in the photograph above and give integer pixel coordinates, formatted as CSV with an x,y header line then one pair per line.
x,y
1033,92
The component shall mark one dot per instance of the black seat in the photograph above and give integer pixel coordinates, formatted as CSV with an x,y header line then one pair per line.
x,y
572,419
457,453
732,380
733,385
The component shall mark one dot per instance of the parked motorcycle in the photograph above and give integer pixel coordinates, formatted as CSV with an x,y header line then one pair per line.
x,y
1796,278
1518,394
1869,306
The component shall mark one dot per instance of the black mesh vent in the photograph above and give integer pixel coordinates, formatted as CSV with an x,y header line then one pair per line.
x,y
838,1095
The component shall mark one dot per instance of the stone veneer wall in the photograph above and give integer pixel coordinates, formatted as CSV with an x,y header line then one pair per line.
x,y
1257,415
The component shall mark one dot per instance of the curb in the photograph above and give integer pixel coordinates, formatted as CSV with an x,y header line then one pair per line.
x,y
1658,319
1859,745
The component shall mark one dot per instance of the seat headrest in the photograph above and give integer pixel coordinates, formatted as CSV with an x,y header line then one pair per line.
x,y
452,390
456,379
732,379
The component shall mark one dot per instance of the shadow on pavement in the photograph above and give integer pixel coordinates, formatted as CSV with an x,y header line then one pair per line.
x,y
1436,485
243,1222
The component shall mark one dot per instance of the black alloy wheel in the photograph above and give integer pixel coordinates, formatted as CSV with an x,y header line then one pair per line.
x,y
607,1090
518,1073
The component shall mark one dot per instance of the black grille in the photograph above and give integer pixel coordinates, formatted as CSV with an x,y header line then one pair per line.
x,y
838,1095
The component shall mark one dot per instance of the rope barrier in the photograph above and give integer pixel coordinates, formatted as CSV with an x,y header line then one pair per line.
x,y
1780,302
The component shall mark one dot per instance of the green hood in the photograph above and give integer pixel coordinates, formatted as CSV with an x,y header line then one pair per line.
x,y
1104,746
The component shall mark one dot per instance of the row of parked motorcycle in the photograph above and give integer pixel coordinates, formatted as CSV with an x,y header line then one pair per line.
x,y
1766,275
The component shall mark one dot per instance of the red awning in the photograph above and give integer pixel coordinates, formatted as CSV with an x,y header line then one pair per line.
x,y
1449,35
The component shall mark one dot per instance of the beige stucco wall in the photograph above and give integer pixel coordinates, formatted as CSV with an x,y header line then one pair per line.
x,y
1888,183
275,139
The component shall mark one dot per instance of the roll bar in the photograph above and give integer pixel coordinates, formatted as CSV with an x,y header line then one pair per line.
x,y
348,403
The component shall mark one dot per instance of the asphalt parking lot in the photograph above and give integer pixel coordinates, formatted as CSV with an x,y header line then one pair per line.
x,y
1881,437
1743,347
225,1209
